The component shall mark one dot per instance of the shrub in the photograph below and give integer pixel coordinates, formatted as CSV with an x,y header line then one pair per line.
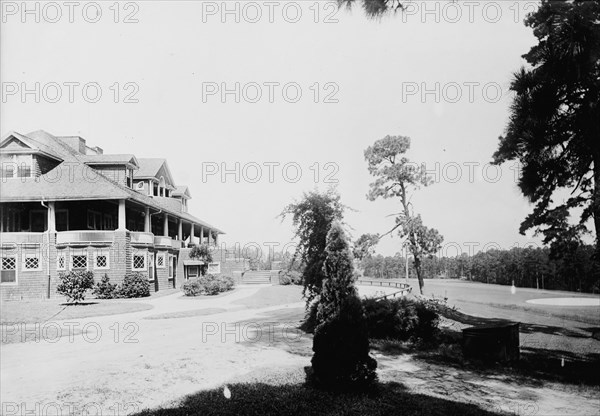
x,y
135,285
341,345
341,342
213,285
290,277
192,288
428,318
208,285
105,290
310,319
402,318
74,284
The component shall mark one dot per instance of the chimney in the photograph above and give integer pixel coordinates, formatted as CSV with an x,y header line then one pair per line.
x,y
75,142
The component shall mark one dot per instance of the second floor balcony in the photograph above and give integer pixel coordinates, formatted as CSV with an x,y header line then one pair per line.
x,y
84,237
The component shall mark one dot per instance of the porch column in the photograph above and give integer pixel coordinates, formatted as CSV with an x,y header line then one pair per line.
x,y
121,223
192,236
216,239
201,235
1,218
180,230
51,217
166,226
147,222
209,235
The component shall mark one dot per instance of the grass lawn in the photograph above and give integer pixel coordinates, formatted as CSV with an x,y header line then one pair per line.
x,y
187,314
40,311
284,392
273,296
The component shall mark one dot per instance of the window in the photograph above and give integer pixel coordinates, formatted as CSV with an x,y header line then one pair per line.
x,y
94,220
151,275
24,171
101,259
172,260
31,262
11,221
161,260
108,222
139,261
8,170
62,220
214,268
193,271
61,261
8,270
79,261
38,221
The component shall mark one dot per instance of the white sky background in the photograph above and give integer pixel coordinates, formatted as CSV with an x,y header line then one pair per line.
x,y
174,48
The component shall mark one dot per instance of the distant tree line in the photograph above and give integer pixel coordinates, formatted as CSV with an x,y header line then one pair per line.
x,y
526,267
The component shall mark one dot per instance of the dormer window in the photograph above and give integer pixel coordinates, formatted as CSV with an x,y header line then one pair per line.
x,y
8,170
17,166
129,177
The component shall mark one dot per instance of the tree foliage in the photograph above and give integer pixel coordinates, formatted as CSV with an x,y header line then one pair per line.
x,y
365,246
203,253
573,270
339,271
341,342
396,177
554,125
75,284
375,8
312,217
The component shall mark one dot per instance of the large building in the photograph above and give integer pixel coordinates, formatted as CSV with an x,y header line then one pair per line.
x,y
68,206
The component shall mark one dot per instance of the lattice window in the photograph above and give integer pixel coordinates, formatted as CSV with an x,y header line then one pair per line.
x,y
61,262
79,261
101,261
9,263
139,262
160,261
32,262
8,270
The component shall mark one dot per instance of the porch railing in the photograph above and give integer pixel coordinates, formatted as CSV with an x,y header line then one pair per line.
x,y
84,237
21,238
141,238
163,241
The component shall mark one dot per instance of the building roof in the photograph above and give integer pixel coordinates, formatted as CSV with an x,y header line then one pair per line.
x,y
32,144
75,180
149,167
182,191
118,159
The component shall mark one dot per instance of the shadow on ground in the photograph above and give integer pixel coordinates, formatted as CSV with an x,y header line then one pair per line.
x,y
537,363
301,399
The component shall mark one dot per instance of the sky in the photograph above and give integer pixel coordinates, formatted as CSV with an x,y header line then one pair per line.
x,y
254,103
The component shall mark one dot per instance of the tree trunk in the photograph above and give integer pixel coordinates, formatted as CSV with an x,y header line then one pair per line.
x,y
417,261
596,205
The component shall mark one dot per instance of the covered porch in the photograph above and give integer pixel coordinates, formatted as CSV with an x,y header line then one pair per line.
x,y
92,219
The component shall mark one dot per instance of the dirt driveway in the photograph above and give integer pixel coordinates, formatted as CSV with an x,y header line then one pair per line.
x,y
121,364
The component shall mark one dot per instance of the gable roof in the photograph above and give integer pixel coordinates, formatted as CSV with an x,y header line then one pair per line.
x,y
29,145
68,182
72,181
182,191
124,159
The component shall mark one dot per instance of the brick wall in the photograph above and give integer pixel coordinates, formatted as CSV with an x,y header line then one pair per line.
x,y
32,284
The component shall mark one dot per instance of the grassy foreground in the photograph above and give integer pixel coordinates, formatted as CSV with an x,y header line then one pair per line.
x,y
287,394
